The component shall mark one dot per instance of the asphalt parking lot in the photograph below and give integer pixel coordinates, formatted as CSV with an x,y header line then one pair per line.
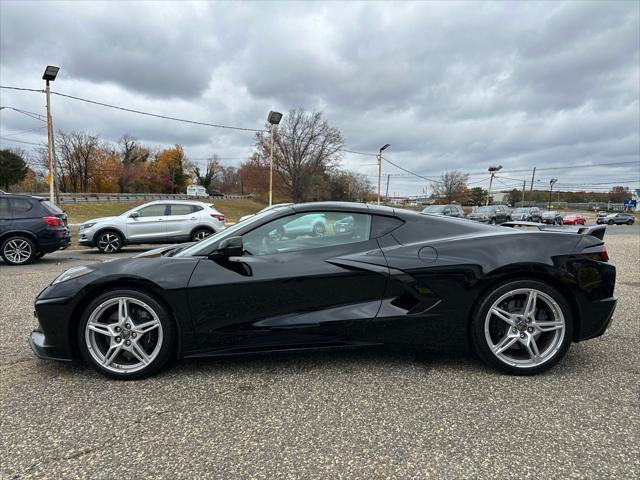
x,y
347,414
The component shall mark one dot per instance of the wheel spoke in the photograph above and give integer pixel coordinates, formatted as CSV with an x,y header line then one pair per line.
x,y
505,343
139,352
503,315
532,349
111,354
548,326
123,310
102,329
146,327
530,306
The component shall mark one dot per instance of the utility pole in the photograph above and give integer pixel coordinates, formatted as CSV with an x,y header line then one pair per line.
x,y
492,171
524,189
274,119
386,145
386,195
551,182
533,176
50,74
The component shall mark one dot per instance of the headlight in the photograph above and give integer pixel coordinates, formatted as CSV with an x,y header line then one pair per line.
x,y
74,272
85,226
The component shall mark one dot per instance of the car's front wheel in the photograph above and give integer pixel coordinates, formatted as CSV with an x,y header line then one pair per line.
x,y
18,250
126,334
522,327
200,234
610,222
109,241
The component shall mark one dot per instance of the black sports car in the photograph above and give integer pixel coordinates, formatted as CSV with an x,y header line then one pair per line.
x,y
516,297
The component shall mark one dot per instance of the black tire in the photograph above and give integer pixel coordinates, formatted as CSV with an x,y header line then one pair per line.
x,y
492,221
560,222
109,241
610,222
630,222
18,250
200,234
478,334
168,329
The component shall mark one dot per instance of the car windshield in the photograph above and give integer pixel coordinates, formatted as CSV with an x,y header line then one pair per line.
x,y
203,245
434,209
485,209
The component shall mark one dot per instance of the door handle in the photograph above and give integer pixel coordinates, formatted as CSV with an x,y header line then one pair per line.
x,y
161,219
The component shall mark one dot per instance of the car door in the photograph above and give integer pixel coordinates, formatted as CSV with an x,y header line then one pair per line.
x,y
181,220
149,225
305,290
5,215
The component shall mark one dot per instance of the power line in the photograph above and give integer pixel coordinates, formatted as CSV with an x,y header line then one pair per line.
x,y
22,89
20,141
34,115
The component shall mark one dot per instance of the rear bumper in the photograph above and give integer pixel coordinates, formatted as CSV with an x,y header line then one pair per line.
x,y
56,241
597,317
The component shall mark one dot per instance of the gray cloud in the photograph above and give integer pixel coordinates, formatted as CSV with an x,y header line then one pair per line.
x,y
449,85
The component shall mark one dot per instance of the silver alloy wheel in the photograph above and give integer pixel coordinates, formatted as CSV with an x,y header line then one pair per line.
x,y
123,335
201,235
525,328
18,250
109,242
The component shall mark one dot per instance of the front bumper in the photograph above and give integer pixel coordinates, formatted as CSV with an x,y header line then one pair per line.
x,y
51,340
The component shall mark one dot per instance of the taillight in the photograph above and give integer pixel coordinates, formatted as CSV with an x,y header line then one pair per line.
x,y
598,253
218,217
52,221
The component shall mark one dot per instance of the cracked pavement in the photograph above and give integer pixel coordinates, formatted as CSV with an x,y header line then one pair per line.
x,y
344,414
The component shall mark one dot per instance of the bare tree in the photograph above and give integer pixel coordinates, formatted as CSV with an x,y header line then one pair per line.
x,y
207,177
452,187
131,151
77,156
305,146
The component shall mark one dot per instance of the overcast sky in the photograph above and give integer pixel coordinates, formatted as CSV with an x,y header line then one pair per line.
x,y
449,85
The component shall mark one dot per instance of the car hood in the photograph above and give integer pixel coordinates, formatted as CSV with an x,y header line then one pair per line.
x,y
101,220
165,251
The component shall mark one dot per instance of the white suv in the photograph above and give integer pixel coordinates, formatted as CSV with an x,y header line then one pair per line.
x,y
162,221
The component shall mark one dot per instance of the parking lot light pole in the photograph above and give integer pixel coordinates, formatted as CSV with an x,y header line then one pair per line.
x,y
274,119
50,74
492,171
383,148
551,183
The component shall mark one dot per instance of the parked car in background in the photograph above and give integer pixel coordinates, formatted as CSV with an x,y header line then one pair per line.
x,y
601,214
30,227
528,214
493,214
265,209
161,221
617,219
451,210
574,219
552,217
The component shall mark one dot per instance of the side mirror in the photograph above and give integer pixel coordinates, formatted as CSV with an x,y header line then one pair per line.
x,y
134,215
231,247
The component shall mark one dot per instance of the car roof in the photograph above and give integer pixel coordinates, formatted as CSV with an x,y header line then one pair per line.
x,y
344,207
22,195
176,201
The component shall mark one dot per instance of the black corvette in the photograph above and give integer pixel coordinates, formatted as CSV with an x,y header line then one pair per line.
x,y
516,297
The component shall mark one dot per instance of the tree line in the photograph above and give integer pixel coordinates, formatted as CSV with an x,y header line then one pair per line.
x,y
306,155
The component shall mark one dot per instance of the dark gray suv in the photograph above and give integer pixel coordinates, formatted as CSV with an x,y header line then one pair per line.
x,y
450,210
617,219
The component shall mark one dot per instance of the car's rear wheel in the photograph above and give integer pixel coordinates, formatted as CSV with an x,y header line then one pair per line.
x,y
522,327
126,334
18,250
109,241
200,234
610,222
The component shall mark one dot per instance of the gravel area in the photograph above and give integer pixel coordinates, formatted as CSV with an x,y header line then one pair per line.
x,y
346,414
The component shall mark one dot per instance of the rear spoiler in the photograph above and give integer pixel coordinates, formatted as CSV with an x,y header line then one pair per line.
x,y
594,230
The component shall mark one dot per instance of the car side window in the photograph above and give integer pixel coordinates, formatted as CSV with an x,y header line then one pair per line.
x,y
179,209
22,208
5,213
157,210
308,230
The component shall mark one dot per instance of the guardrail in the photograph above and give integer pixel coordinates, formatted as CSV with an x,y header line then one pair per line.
x,y
128,197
